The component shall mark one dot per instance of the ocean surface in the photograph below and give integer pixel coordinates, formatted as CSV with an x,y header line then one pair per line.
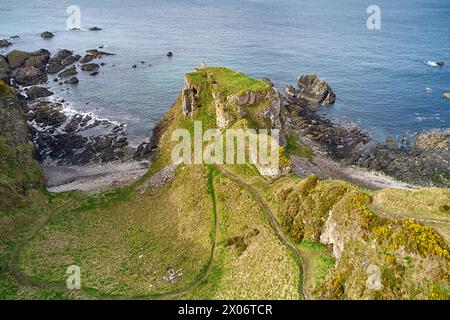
x,y
379,76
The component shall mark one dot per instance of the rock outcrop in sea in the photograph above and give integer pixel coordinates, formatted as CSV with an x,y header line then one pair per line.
x,y
47,35
312,91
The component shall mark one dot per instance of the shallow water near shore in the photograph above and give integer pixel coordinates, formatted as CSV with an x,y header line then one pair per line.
x,y
379,77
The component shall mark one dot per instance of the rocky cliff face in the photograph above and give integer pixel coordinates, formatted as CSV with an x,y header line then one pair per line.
x,y
19,172
234,100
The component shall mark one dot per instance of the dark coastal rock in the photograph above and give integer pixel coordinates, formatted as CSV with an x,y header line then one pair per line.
x,y
38,59
62,59
94,54
95,29
17,58
72,71
97,53
72,80
421,159
37,92
29,75
134,66
93,74
76,139
47,35
87,58
4,43
339,140
28,68
170,54
89,67
4,69
315,90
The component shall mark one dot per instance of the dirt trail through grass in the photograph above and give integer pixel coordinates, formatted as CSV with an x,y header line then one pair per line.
x,y
275,225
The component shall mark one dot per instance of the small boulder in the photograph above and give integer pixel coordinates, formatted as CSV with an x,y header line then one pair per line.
x,y
69,72
47,35
89,67
4,43
37,92
72,80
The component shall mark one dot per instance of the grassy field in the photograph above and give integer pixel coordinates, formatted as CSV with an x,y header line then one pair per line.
x,y
227,81
124,241
250,262
426,202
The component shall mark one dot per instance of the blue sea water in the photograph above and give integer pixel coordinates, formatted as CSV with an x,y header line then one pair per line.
x,y
379,76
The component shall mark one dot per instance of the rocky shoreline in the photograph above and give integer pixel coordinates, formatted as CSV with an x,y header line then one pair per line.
x,y
64,137
420,159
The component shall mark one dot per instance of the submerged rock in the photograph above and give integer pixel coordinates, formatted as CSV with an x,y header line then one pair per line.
x,y
37,92
94,54
47,35
72,80
435,63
